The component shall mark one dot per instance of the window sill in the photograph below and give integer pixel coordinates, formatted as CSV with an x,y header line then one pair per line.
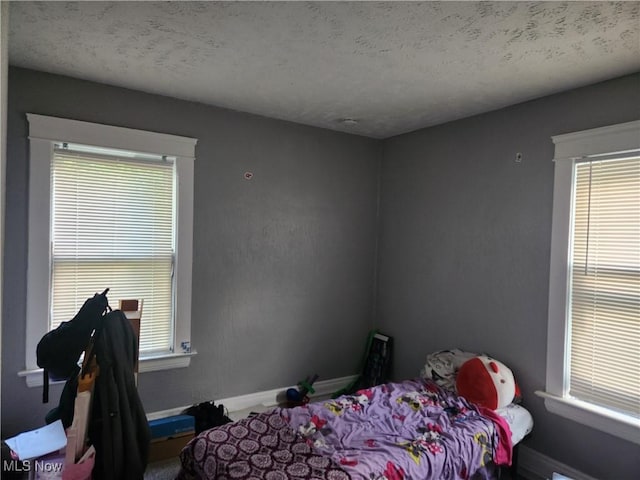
x,y
620,425
150,363
166,361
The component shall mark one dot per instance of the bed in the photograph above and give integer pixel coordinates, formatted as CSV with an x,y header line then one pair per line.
x,y
415,429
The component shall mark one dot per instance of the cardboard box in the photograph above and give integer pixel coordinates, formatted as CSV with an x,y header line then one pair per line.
x,y
170,447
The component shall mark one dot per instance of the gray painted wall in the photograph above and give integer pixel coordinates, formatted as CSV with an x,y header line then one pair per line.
x,y
464,246
283,264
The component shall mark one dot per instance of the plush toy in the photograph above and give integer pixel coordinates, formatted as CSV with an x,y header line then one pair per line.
x,y
487,382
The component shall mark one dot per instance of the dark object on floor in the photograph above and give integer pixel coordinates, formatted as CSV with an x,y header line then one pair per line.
x,y
207,415
376,365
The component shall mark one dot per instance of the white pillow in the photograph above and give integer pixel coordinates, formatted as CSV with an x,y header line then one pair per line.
x,y
442,367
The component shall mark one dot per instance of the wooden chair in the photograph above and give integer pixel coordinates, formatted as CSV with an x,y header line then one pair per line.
x,y
133,311
79,428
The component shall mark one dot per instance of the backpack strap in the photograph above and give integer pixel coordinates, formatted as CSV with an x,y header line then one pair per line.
x,y
90,352
45,386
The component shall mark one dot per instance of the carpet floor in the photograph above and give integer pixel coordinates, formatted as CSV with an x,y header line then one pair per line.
x,y
164,470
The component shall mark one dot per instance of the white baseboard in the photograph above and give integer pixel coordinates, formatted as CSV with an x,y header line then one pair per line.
x,y
273,397
534,465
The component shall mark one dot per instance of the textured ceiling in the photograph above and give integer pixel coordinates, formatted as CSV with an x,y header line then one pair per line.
x,y
393,66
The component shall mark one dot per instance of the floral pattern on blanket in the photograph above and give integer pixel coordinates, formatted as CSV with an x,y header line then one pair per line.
x,y
261,447
426,397
414,429
355,403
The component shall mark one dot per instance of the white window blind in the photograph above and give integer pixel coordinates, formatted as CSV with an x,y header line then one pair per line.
x,y
604,276
113,225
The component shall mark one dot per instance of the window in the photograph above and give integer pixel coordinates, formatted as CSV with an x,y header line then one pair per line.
x,y
604,284
593,359
110,207
112,225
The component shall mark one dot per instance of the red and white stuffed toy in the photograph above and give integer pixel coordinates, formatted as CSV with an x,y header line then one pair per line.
x,y
486,382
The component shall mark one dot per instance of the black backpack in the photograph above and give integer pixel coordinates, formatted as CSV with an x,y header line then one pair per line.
x,y
207,415
59,350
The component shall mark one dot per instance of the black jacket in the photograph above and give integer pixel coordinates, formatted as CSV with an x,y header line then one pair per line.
x,y
118,426
120,431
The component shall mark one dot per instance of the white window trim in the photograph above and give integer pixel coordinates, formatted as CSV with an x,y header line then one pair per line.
x,y
569,148
44,131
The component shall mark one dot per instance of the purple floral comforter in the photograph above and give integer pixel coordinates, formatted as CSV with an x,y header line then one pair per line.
x,y
409,430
